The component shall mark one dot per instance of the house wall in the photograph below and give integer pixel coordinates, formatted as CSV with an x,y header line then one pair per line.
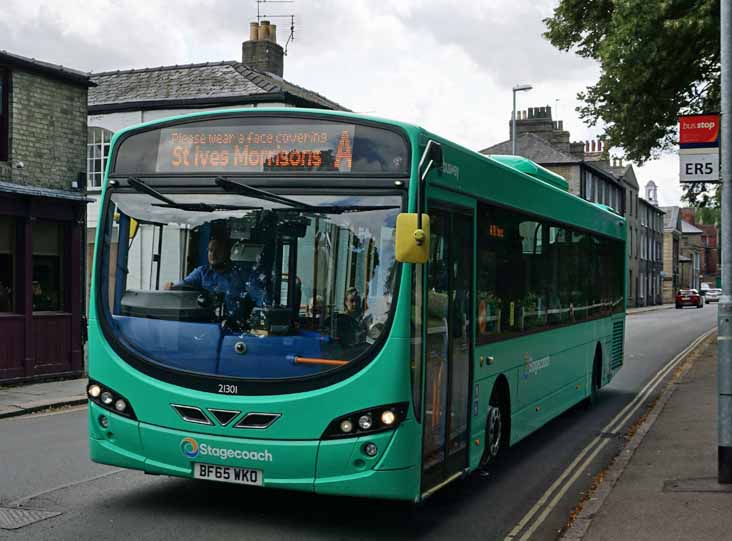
x,y
571,173
47,131
42,261
670,265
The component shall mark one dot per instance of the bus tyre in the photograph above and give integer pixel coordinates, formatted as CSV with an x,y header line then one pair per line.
x,y
496,428
595,382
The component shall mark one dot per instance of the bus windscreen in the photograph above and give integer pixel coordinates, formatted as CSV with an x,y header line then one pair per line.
x,y
266,145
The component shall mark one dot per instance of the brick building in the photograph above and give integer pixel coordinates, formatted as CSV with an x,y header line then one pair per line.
x,y
43,111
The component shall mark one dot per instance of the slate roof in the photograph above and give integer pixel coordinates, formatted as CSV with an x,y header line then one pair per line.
x,y
646,202
625,173
533,147
690,229
671,218
53,70
208,84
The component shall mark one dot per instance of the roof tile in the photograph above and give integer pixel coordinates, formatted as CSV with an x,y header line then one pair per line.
x,y
193,81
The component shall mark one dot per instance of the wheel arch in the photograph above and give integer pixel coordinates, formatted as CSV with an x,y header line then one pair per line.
x,y
502,386
598,360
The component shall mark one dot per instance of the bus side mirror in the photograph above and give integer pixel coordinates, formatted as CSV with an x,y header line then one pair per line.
x,y
412,242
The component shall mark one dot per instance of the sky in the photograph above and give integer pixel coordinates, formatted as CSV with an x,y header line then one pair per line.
x,y
448,65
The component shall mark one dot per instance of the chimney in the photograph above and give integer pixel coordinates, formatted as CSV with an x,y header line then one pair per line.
x,y
262,52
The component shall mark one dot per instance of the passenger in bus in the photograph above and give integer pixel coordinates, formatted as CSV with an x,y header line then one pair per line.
x,y
220,276
354,308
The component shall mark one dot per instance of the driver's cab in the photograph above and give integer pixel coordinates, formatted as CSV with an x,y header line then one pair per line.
x,y
296,292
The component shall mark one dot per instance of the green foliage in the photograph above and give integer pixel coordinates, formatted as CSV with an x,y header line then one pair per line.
x,y
703,196
659,59
708,215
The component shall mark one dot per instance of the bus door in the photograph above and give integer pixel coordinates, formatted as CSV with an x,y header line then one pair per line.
x,y
448,345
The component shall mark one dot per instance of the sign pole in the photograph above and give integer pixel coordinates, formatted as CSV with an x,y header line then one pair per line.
x,y
724,313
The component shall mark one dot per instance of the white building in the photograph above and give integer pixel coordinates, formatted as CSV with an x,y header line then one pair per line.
x,y
127,97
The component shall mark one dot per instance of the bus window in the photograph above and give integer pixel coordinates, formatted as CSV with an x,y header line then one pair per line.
x,y
534,275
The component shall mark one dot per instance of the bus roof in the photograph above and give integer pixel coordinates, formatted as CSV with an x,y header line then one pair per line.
x,y
515,181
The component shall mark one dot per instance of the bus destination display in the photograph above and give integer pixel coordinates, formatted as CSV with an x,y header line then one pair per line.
x,y
316,147
263,145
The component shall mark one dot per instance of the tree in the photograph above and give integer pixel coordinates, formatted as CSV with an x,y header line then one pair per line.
x,y
658,59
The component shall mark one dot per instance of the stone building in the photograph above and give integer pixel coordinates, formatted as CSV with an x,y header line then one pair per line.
x,y
592,175
650,268
709,267
691,252
626,174
671,240
43,111
123,98
546,142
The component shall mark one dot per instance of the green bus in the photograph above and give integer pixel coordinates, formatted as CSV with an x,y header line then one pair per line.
x,y
332,303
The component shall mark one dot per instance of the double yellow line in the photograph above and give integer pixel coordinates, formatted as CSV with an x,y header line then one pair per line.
x,y
531,521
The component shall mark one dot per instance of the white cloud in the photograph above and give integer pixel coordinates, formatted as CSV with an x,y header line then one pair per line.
x,y
447,65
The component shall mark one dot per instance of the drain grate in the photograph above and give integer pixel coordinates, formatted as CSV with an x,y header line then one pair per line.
x,y
12,518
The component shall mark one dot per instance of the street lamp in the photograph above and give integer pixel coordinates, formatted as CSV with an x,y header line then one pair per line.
x,y
517,88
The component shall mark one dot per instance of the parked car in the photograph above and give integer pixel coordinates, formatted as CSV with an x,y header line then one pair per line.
x,y
713,294
689,297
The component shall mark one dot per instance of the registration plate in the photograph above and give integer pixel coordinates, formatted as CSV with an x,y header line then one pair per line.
x,y
227,474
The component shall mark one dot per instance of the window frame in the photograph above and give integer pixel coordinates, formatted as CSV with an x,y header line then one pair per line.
x,y
62,270
97,150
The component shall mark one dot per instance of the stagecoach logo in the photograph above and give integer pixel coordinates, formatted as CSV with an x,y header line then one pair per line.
x,y
532,367
190,448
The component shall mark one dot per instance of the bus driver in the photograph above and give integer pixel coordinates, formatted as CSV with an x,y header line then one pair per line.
x,y
219,276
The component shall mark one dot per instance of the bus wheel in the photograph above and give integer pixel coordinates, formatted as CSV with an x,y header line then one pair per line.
x,y
496,433
595,384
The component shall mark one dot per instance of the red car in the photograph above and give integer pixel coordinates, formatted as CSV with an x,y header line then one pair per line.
x,y
689,297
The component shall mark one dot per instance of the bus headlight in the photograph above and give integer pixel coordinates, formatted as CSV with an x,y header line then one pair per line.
x,y
368,421
364,422
94,390
109,399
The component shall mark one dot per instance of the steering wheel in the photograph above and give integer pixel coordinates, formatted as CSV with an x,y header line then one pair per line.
x,y
183,287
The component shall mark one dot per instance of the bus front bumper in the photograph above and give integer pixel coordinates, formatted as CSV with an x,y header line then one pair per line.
x,y
325,467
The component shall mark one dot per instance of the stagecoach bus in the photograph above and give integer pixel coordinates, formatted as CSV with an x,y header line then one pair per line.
x,y
337,304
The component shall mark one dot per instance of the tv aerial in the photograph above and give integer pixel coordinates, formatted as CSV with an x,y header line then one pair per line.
x,y
260,16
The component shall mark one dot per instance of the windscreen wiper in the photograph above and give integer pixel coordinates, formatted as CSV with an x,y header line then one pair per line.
x,y
245,189
343,209
167,202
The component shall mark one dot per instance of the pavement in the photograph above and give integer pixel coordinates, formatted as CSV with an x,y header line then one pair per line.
x,y
640,310
22,399
663,485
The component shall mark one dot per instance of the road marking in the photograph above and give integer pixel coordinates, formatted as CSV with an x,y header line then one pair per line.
x,y
25,499
617,422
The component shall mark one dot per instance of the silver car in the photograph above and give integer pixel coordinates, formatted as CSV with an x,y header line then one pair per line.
x,y
713,294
